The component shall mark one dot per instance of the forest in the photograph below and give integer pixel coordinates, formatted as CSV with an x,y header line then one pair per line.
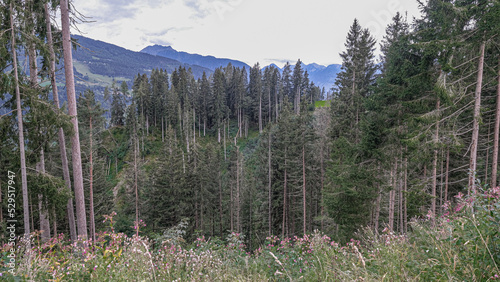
x,y
255,174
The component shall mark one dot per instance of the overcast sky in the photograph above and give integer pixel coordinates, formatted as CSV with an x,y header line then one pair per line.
x,y
264,31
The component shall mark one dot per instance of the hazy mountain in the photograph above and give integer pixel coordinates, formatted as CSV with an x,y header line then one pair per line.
x,y
322,76
209,62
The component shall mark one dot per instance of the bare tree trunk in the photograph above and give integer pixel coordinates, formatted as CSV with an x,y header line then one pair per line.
x,y
276,105
40,166
54,220
284,203
220,205
400,196
494,167
91,185
476,119
196,211
322,186
42,203
135,185
194,126
377,210
232,204
487,153
269,173
224,131
392,197
304,187
405,199
237,190
24,182
441,201
75,139
434,168
260,113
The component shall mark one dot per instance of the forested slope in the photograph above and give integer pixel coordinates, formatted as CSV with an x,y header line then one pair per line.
x,y
239,155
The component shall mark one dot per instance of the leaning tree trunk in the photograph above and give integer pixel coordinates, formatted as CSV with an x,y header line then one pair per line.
x,y
476,119
62,138
75,139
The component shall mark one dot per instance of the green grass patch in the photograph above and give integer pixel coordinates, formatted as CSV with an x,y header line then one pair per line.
x,y
322,104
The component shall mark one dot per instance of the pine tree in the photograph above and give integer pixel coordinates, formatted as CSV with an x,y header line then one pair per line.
x,y
117,106
350,175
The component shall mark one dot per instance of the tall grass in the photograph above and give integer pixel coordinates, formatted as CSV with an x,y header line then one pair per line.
x,y
464,245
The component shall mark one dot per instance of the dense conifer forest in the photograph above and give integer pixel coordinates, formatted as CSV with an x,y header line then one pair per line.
x,y
256,174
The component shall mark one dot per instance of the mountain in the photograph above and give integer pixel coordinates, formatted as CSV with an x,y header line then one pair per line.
x,y
97,63
322,76
209,62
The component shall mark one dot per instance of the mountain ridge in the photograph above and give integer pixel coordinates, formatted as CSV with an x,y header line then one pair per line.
x,y
322,76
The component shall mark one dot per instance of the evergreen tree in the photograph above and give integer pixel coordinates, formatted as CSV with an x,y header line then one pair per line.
x,y
117,107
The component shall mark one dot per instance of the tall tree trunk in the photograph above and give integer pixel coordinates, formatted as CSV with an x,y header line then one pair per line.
x,y
322,185
304,188
91,187
404,195
220,205
75,139
224,136
24,182
42,203
392,196
237,190
400,196
269,173
194,126
476,119
232,203
377,209
494,167
260,113
487,153
135,185
269,104
434,168
284,223
276,105
40,166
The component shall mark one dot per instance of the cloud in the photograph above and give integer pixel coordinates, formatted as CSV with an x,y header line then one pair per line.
x,y
205,8
110,10
165,31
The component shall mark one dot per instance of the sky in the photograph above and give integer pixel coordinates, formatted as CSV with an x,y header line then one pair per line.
x,y
264,31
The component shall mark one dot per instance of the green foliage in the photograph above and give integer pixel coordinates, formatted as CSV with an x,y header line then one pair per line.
x,y
462,246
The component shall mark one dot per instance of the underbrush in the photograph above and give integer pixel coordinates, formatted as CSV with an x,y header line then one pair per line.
x,y
464,244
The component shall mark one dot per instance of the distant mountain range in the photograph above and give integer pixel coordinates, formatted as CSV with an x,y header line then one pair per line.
x,y
97,64
323,76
